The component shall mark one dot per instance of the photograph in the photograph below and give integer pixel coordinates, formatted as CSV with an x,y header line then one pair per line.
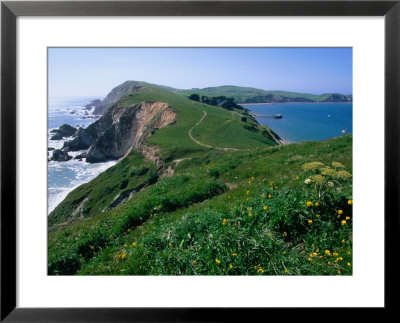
x,y
200,161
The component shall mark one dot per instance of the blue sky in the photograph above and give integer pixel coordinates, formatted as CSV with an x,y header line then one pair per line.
x,y
95,71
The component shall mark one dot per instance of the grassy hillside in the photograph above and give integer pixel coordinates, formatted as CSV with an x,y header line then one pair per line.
x,y
233,202
210,131
240,213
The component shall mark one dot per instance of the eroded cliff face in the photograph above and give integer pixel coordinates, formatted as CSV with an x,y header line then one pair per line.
x,y
121,129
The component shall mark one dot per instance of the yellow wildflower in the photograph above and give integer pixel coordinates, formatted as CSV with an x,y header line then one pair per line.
x,y
269,196
230,266
312,166
217,261
328,252
335,254
342,174
252,177
247,192
316,203
249,182
337,165
286,271
309,203
318,215
170,245
340,212
350,202
319,179
297,178
285,234
315,253
344,240
310,221
309,259
338,271
347,218
123,255
265,207
284,252
343,222
224,221
348,264
234,254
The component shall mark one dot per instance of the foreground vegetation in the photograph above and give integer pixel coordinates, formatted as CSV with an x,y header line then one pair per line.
x,y
283,210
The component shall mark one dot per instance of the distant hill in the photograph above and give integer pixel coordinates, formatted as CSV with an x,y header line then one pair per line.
x,y
252,95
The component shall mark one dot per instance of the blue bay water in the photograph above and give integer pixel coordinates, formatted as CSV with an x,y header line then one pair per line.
x,y
306,121
63,177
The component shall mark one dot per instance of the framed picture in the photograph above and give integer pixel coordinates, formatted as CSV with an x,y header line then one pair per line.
x,y
198,152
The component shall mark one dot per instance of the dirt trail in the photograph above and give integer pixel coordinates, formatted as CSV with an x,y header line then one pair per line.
x,y
208,146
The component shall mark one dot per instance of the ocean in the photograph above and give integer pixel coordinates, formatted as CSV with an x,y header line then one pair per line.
x,y
306,121
63,177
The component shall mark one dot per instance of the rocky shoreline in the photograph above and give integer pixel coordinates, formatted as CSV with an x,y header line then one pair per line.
x,y
115,133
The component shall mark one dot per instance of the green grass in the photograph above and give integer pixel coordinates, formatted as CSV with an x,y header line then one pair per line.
x,y
215,130
209,218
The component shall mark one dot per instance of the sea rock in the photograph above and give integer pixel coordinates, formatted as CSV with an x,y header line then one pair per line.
x,y
50,148
57,136
64,131
83,139
80,156
59,155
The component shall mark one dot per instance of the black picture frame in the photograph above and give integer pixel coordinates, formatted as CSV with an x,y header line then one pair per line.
x,y
10,10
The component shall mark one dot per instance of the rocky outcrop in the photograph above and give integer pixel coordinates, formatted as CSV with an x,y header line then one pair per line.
x,y
64,131
59,155
121,129
82,141
81,156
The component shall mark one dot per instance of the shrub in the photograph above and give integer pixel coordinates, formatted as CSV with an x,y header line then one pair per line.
x,y
124,183
152,177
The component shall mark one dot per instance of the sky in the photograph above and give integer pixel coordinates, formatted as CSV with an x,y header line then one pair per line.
x,y
75,72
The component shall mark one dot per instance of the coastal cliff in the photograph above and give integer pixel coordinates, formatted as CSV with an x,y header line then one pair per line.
x,y
120,129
